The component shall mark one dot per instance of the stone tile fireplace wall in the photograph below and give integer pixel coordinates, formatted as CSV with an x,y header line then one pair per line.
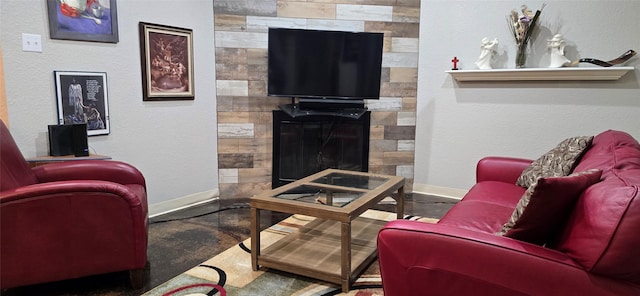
x,y
244,109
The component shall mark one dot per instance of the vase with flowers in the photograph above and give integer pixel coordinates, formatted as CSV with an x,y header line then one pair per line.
x,y
522,26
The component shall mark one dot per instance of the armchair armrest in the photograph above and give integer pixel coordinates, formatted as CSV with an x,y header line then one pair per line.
x,y
78,227
499,168
444,260
74,187
107,170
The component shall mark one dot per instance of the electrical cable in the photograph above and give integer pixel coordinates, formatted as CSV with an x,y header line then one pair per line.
x,y
234,207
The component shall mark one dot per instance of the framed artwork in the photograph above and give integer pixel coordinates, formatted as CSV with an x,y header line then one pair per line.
x,y
83,20
82,97
166,54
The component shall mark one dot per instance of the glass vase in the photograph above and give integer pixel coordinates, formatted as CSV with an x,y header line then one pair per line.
x,y
521,56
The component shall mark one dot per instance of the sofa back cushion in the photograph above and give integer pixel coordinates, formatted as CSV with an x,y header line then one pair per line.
x,y
602,232
611,150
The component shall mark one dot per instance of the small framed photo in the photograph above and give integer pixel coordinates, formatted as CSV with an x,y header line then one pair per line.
x,y
167,62
83,20
82,97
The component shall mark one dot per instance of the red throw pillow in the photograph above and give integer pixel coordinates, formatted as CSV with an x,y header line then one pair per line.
x,y
546,205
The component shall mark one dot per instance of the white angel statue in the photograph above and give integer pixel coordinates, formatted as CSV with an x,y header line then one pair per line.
x,y
556,45
486,53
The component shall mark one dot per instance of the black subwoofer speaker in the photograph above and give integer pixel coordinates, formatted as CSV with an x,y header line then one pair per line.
x,y
68,139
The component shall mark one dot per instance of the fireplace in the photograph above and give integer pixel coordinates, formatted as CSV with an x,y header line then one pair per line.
x,y
304,145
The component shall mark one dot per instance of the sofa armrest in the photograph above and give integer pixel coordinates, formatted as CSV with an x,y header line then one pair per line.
x,y
500,168
107,170
444,260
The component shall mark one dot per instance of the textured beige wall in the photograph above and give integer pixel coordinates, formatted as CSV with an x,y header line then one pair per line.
x,y
171,142
458,123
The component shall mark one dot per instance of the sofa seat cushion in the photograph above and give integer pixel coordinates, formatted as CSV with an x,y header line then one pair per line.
x,y
495,192
485,208
477,216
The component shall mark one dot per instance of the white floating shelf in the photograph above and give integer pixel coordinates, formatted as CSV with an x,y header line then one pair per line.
x,y
541,74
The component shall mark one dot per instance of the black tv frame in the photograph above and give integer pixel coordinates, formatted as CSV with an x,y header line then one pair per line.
x,y
325,100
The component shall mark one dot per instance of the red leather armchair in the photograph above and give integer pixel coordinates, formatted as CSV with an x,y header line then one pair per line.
x,y
70,219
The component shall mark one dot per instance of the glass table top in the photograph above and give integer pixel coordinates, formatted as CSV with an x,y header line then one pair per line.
x,y
354,181
337,197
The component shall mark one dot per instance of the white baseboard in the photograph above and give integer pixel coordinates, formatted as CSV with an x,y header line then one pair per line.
x,y
448,192
183,202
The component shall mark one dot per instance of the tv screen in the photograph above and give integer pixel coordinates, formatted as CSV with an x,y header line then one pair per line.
x,y
324,64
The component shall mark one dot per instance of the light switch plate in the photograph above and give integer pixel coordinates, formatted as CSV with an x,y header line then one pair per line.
x,y
31,42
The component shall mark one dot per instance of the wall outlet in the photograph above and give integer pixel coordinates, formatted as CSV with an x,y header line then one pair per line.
x,y
31,42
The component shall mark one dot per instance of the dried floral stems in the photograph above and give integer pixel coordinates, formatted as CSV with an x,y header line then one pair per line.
x,y
522,27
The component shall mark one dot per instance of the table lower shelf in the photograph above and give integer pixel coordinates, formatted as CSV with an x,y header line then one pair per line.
x,y
315,249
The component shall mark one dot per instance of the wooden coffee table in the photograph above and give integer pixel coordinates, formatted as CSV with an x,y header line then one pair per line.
x,y
339,244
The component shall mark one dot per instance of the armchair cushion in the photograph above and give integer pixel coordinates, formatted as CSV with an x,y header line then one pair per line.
x,y
14,169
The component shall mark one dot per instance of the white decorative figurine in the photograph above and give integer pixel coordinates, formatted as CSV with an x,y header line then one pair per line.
x,y
487,49
556,45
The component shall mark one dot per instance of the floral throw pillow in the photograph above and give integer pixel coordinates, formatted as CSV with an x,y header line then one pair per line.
x,y
557,162
545,206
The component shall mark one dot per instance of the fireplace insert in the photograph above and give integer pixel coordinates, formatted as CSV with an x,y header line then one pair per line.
x,y
304,145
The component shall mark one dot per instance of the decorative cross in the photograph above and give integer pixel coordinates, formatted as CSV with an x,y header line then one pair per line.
x,y
455,63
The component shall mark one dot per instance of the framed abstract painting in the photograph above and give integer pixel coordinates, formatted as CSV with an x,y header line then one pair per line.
x,y
83,20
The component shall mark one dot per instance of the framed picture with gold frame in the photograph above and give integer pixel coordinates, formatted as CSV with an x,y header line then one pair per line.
x,y
166,54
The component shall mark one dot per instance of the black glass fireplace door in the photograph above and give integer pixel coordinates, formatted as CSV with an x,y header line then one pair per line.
x,y
306,145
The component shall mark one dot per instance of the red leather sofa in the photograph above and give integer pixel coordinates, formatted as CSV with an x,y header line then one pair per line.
x,y
70,219
597,251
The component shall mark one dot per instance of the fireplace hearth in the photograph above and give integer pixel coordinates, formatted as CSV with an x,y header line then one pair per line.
x,y
304,145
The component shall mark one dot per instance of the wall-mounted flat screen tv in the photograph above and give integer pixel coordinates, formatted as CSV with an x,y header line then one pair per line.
x,y
324,64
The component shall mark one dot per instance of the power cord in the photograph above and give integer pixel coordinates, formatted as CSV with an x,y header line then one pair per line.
x,y
234,207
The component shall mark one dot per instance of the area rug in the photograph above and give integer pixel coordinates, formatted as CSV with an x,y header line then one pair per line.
x,y
230,272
